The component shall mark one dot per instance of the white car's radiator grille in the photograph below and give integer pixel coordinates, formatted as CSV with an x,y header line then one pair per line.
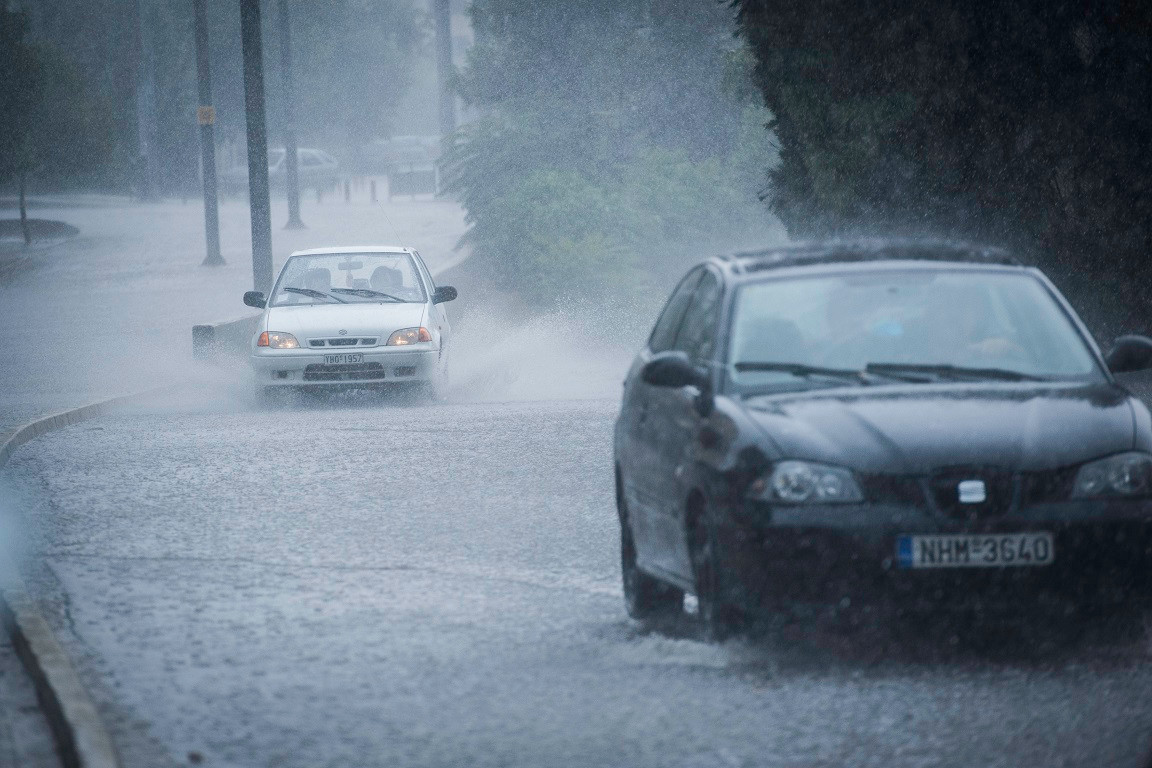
x,y
344,341
356,372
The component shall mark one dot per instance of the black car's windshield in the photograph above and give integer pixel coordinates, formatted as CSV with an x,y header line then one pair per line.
x,y
329,278
915,325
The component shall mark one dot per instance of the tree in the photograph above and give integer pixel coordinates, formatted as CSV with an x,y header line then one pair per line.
x,y
21,88
354,59
609,146
1026,124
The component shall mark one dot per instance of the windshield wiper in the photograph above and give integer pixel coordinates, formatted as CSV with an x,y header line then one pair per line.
x,y
806,371
368,293
919,371
313,293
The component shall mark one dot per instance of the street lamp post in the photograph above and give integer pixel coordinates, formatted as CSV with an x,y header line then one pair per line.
x,y
290,159
257,145
147,168
206,116
442,13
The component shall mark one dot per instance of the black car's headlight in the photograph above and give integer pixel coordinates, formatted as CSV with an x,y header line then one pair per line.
x,y
805,482
1122,475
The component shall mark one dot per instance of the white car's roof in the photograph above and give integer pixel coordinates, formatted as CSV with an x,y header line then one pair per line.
x,y
354,249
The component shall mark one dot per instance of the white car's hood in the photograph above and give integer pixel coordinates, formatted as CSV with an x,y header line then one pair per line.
x,y
359,319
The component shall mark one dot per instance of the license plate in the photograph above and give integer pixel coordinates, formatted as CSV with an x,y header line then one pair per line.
x,y
354,357
995,550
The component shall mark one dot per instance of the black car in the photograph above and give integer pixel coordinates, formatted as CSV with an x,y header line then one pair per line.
x,y
922,423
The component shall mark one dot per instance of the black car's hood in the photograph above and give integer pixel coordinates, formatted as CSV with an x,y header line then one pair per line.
x,y
916,428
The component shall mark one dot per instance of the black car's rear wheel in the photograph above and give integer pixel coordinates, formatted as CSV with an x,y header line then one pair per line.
x,y
719,619
645,597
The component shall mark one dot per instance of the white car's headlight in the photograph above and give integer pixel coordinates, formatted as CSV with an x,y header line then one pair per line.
x,y
805,482
1125,474
406,336
277,340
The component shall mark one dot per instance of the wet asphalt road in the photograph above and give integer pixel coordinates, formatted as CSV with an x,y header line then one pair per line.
x,y
362,584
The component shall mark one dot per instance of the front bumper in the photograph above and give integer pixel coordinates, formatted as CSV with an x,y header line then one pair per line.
x,y
380,365
847,555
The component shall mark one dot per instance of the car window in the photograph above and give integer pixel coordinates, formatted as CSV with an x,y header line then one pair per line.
x,y
969,319
330,278
697,334
664,334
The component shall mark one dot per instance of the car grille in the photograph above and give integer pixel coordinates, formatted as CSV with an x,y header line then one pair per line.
x,y
892,489
344,341
1001,488
939,491
1054,485
353,372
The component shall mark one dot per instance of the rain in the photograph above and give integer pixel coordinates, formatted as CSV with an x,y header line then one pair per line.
x,y
677,383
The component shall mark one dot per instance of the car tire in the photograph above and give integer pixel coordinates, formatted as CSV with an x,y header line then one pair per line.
x,y
645,597
719,620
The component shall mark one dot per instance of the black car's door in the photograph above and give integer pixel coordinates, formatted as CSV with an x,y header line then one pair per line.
x,y
676,423
639,456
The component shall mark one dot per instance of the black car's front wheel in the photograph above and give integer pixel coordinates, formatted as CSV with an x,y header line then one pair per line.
x,y
645,597
719,619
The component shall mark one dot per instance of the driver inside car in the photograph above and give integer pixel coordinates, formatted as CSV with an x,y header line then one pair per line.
x,y
387,280
970,326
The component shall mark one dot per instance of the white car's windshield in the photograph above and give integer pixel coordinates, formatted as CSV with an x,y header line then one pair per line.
x,y
908,324
334,278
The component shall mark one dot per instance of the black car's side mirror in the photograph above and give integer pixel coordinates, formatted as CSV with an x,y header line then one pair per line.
x,y
670,369
444,293
255,299
674,370
1130,354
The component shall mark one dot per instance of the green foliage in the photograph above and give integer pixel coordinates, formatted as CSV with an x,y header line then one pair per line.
x,y
614,144
52,128
1026,124
548,236
21,90
353,60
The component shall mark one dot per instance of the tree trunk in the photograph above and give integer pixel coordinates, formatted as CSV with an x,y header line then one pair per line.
x,y
24,210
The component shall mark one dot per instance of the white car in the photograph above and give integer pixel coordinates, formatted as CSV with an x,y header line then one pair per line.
x,y
315,168
352,316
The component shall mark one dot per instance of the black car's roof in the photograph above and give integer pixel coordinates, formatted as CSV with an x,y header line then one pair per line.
x,y
865,254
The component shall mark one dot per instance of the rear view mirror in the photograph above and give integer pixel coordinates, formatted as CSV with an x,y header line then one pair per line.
x,y
444,293
670,369
255,299
1130,354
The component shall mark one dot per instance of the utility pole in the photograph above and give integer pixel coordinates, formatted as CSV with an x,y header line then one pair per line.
x,y
442,11
206,116
254,116
146,169
290,159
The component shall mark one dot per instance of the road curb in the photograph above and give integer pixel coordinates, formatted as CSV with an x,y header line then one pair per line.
x,y
82,740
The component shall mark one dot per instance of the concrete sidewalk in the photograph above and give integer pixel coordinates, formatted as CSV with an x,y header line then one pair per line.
x,y
25,739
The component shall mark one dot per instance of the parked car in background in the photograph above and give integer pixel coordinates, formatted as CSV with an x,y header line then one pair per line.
x,y
411,164
838,425
316,169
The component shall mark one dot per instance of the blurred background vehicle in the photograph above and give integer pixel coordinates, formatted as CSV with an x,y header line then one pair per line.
x,y
317,170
